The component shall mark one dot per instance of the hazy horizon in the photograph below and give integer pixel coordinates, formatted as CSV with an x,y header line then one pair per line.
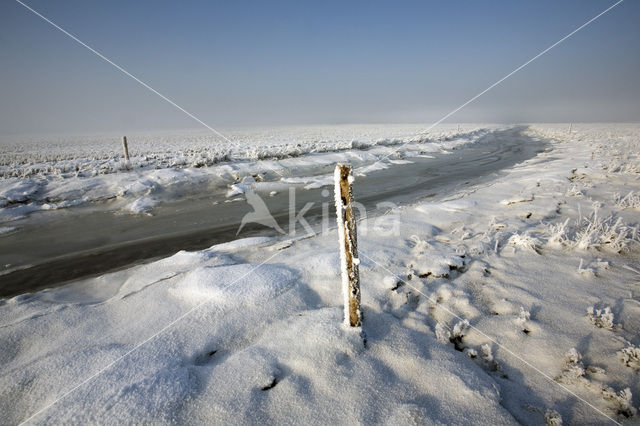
x,y
193,131
254,65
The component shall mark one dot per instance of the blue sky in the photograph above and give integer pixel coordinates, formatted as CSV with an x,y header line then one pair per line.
x,y
245,63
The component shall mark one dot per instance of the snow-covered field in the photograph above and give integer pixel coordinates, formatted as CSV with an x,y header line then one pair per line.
x,y
514,300
44,174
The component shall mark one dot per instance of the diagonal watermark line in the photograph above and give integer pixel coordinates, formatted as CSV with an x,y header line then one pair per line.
x,y
524,65
455,110
137,346
127,73
504,348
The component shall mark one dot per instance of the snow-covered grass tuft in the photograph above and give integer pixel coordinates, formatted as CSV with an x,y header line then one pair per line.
x,y
574,191
621,401
630,356
552,418
525,241
558,233
573,368
486,358
523,317
602,318
460,329
622,156
629,201
586,270
622,165
593,232
455,336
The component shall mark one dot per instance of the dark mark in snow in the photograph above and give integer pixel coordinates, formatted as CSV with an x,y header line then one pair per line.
x,y
271,385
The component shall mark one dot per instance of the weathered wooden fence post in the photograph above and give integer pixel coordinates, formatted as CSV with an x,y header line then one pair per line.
x,y
348,245
126,149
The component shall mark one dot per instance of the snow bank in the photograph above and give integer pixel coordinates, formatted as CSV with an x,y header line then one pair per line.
x,y
77,170
232,286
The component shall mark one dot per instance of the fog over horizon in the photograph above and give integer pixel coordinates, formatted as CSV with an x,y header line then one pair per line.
x,y
250,64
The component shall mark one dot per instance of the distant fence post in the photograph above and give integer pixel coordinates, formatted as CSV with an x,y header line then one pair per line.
x,y
348,245
570,126
126,149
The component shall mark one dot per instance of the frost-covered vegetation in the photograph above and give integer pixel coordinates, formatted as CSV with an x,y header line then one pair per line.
x,y
594,232
86,156
601,318
630,356
42,174
473,314
629,201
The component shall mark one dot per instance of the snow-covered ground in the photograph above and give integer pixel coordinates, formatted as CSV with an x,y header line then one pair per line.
x,y
44,174
514,300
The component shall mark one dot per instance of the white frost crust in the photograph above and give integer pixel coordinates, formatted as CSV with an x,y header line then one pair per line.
x,y
342,227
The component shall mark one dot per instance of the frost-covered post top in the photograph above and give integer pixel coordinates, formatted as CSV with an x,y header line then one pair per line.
x,y
347,236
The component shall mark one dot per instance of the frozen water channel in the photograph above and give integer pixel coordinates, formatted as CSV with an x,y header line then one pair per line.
x,y
67,244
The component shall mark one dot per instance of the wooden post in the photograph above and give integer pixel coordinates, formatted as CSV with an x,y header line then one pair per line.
x,y
348,245
570,126
126,149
